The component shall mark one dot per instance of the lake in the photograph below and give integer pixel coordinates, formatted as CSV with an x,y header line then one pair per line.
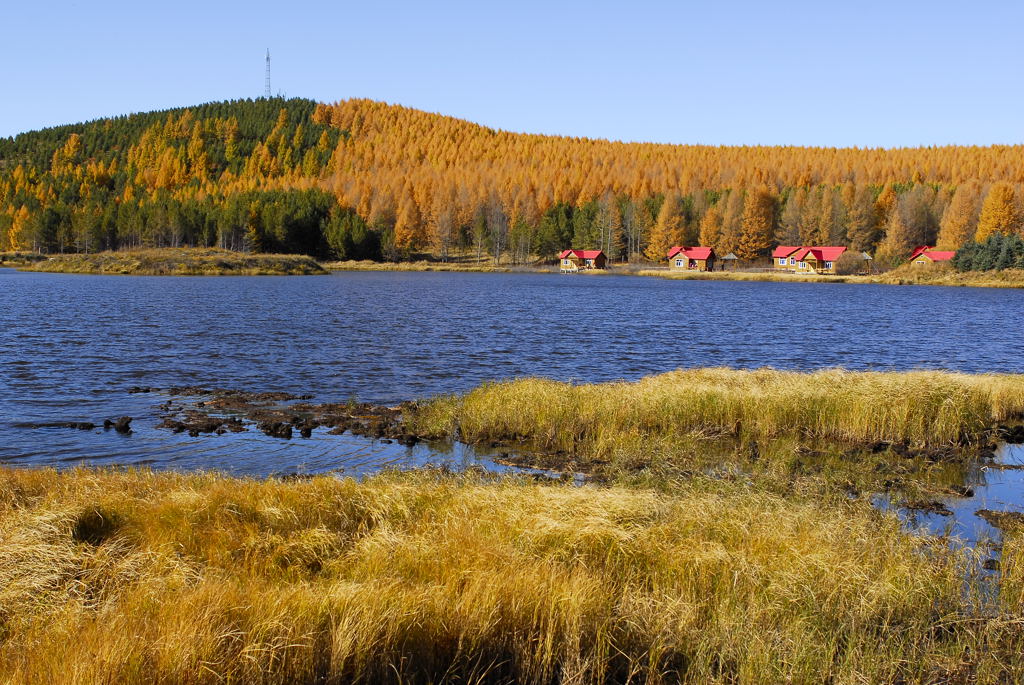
x,y
71,346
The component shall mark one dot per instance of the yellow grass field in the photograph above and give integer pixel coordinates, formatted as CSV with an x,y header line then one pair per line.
x,y
138,577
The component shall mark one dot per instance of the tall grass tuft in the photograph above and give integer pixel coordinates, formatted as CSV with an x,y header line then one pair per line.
x,y
925,408
437,578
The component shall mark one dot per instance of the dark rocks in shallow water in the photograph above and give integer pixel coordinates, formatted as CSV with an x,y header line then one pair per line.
x,y
1013,435
135,389
306,431
121,425
1004,520
962,490
77,425
929,507
386,441
276,429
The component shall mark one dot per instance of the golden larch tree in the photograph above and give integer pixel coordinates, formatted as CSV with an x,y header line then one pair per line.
x,y
667,229
757,224
998,213
959,220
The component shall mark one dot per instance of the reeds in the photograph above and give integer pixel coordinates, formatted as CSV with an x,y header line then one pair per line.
x,y
179,262
922,408
135,577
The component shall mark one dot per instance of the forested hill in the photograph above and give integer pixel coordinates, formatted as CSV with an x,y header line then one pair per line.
x,y
366,179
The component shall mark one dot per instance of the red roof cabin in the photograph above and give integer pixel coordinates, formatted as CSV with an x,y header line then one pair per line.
x,y
571,261
927,255
782,258
817,259
692,258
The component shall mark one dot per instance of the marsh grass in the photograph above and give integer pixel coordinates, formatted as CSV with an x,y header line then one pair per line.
x,y
179,262
137,577
945,274
20,258
922,408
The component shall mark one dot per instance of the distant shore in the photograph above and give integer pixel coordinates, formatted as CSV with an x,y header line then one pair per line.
x,y
215,262
179,262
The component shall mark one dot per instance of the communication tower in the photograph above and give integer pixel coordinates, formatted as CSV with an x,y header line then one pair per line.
x,y
267,84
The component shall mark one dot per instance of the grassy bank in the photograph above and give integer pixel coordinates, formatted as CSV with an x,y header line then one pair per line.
x,y
20,258
910,274
366,265
141,577
921,408
180,262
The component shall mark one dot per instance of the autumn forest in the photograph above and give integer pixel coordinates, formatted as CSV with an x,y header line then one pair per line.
x,y
367,180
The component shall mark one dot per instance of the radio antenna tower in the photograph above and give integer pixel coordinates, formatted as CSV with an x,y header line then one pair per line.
x,y
268,75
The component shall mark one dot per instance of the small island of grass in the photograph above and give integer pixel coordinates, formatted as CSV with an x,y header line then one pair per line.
x,y
180,262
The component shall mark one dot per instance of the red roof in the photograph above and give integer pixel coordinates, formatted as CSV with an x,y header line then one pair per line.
x,y
581,254
784,251
918,250
819,253
691,252
940,256
827,254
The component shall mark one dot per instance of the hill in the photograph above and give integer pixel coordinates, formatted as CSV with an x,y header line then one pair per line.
x,y
362,179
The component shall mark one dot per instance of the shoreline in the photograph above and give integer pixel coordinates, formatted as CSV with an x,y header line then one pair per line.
x,y
216,262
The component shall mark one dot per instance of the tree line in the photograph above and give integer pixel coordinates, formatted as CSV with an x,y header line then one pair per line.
x,y
363,179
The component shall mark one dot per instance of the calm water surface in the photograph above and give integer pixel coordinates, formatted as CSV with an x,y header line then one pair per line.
x,y
71,345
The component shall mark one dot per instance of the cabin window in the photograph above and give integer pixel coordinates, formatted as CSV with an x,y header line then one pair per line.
x,y
828,265
792,261
802,265
590,262
782,261
679,262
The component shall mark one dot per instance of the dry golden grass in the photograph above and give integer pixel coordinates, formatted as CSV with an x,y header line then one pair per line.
x,y
180,262
778,277
367,265
908,274
135,577
923,408
944,274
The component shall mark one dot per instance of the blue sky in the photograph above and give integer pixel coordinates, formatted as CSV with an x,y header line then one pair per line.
x,y
876,74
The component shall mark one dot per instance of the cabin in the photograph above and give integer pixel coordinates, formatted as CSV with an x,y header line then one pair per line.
x,y
818,259
927,255
581,260
782,257
692,258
